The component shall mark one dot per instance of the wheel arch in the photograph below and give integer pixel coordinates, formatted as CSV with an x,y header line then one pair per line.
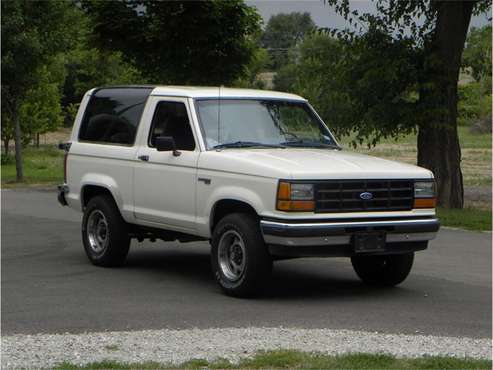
x,y
227,206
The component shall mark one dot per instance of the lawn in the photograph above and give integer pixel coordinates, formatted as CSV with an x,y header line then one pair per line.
x,y
467,218
42,166
284,359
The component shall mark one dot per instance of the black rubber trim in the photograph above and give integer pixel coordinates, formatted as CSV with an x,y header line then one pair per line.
x,y
342,250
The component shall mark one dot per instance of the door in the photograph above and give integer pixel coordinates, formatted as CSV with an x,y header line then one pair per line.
x,y
164,182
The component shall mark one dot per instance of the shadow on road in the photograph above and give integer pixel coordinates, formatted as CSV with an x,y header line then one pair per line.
x,y
297,278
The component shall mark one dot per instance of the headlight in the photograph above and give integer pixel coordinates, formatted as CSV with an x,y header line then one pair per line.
x,y
295,197
424,194
301,191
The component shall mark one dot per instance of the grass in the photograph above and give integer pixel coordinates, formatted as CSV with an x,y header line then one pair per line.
x,y
476,154
287,359
467,218
42,166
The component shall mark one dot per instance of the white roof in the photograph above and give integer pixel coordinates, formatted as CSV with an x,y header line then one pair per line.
x,y
225,92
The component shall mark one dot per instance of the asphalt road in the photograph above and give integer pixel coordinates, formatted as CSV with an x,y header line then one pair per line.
x,y
48,285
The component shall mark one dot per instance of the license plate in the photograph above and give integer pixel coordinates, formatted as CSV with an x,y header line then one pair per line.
x,y
374,242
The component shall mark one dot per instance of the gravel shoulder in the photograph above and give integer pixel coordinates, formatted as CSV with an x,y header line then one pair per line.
x,y
177,346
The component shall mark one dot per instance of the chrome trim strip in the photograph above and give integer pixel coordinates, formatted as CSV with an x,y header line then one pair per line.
x,y
292,226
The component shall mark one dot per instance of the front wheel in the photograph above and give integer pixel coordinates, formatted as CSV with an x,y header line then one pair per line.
x,y
240,261
387,270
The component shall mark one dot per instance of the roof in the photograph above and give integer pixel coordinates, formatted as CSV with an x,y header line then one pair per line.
x,y
223,92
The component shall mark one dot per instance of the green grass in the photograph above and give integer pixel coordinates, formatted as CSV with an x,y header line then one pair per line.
x,y
43,165
284,359
467,218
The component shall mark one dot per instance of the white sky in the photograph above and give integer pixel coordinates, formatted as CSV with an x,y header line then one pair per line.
x,y
324,15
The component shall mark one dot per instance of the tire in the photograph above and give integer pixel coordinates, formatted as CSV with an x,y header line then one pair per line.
x,y
104,234
240,261
387,270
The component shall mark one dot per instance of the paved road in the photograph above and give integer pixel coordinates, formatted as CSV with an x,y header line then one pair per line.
x,y
49,286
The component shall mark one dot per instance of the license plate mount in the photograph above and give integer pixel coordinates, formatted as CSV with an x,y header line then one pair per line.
x,y
369,242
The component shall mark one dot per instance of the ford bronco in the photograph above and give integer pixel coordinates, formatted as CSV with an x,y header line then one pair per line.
x,y
256,173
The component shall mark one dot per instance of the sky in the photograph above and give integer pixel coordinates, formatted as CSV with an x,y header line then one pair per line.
x,y
324,15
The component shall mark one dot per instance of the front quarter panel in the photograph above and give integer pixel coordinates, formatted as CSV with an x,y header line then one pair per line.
x,y
257,191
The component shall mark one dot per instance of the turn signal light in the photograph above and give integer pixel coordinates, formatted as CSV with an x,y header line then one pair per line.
x,y
425,203
295,205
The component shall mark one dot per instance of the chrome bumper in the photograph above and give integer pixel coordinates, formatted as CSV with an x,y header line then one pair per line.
x,y
283,233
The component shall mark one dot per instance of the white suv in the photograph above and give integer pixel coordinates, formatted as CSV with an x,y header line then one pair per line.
x,y
256,173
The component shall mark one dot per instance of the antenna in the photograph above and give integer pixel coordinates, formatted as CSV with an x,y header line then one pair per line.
x,y
219,117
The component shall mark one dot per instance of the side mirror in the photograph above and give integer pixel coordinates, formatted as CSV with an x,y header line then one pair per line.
x,y
166,144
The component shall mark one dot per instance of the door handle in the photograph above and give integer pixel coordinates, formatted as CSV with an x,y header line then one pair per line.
x,y
144,158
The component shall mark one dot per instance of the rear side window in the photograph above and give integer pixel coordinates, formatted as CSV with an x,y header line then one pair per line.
x,y
113,115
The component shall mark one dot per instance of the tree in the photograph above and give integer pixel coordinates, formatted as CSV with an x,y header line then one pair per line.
x,y
283,31
428,36
179,42
32,33
477,53
89,67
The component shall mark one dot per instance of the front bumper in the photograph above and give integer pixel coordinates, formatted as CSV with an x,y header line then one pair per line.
x,y
62,192
334,238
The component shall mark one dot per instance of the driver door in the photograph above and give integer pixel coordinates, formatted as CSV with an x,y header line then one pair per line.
x,y
164,183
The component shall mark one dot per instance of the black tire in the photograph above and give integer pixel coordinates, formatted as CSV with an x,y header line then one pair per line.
x,y
387,270
257,261
116,241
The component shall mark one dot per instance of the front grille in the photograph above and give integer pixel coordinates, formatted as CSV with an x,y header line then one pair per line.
x,y
344,195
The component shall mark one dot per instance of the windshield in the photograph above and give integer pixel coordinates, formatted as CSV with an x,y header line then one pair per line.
x,y
263,123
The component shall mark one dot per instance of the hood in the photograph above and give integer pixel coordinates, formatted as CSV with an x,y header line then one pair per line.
x,y
303,163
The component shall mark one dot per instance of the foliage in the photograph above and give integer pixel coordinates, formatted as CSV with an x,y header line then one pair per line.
x,y
33,34
284,31
89,67
473,104
360,94
258,64
477,53
180,42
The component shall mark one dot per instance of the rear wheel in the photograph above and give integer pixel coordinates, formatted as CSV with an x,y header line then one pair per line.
x,y
388,270
104,234
240,261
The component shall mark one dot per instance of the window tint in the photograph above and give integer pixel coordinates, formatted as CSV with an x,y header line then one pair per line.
x,y
171,119
113,115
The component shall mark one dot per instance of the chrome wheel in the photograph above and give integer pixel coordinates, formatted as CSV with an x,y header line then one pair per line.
x,y
97,231
232,255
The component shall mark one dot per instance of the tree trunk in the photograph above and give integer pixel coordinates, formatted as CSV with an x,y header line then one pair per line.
x,y
6,143
18,146
438,142
37,139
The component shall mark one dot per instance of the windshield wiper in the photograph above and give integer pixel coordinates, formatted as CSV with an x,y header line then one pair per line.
x,y
246,144
310,144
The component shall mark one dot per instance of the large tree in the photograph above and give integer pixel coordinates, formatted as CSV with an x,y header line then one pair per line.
x,y
427,37
283,31
33,32
178,42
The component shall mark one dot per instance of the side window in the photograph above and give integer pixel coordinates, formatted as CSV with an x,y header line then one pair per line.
x,y
171,119
113,114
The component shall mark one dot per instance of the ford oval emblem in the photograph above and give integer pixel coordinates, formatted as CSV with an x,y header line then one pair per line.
x,y
366,195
